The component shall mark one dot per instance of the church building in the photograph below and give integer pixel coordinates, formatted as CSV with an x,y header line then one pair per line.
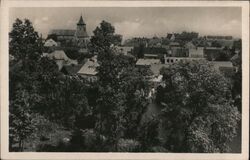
x,y
78,36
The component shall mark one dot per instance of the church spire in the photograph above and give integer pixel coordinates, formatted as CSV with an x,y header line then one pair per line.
x,y
81,22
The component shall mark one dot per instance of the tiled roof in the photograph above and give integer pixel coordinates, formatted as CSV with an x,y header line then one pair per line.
x,y
150,55
89,68
147,62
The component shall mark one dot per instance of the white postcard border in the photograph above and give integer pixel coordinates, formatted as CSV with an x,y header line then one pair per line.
x,y
147,156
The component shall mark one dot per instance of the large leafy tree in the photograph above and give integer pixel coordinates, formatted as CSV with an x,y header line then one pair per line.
x,y
104,37
122,89
21,126
198,113
25,46
24,40
122,101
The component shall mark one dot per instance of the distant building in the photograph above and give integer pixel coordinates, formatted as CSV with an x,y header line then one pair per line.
x,y
218,37
196,52
148,51
63,34
89,70
178,52
60,58
125,50
171,36
79,35
173,60
50,43
189,45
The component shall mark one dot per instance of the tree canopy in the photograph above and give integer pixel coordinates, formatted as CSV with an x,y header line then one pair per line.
x,y
197,109
122,89
104,37
24,40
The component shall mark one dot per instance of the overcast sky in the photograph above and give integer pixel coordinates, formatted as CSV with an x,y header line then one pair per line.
x,y
131,22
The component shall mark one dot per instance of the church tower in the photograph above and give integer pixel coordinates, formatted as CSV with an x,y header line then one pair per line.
x,y
81,33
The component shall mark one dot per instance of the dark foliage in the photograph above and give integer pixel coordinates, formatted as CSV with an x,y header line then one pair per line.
x,y
24,41
198,112
148,134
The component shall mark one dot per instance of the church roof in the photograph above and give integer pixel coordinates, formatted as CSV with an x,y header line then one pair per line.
x,y
63,32
81,22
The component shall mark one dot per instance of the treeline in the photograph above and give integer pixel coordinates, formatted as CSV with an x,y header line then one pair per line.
x,y
182,38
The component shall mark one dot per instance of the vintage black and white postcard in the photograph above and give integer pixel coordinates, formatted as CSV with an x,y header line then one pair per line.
x,y
124,79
